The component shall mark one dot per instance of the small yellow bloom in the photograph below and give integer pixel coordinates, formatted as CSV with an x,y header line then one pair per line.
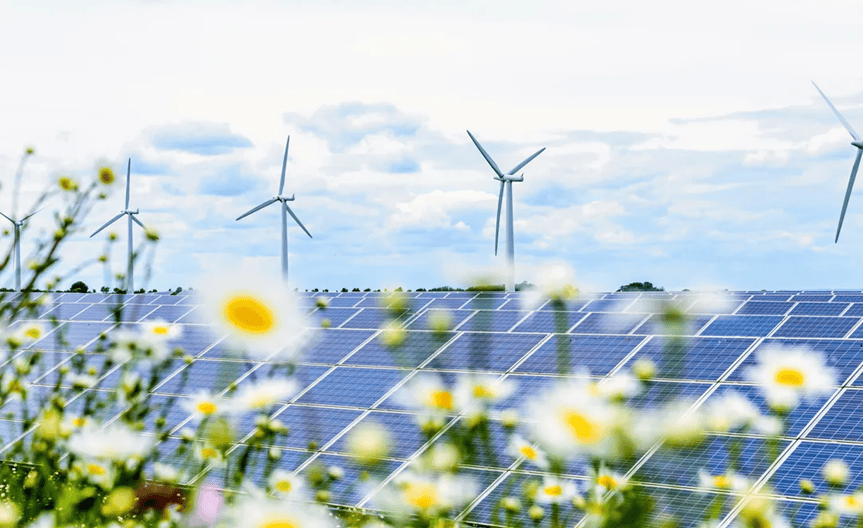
x,y
106,176
67,184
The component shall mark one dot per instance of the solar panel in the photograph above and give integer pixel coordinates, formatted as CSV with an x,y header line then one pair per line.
x,y
347,376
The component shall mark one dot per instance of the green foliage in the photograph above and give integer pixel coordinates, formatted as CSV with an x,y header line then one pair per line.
x,y
79,287
639,286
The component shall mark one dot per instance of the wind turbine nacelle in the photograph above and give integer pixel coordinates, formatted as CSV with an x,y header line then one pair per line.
x,y
858,144
129,211
516,178
285,198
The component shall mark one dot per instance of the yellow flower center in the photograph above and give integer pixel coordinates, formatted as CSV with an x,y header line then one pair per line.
x,y
528,452
208,452
78,422
279,523
851,501
607,481
790,376
283,485
441,400
206,407
95,469
421,495
261,400
66,184
583,429
593,389
161,330
249,314
33,333
480,391
721,482
554,491
106,176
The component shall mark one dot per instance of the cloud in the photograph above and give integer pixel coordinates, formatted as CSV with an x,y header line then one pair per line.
x,y
345,125
228,181
201,138
435,210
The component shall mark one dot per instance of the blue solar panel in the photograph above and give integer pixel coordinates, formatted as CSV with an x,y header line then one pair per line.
x,y
367,318
843,355
485,351
418,347
607,305
546,322
807,461
352,387
711,306
166,312
842,421
314,426
696,358
819,308
796,419
597,354
742,325
812,297
848,297
213,375
333,345
574,305
456,317
335,316
342,302
449,303
608,323
774,296
764,308
826,327
403,429
855,310
64,311
494,320
655,326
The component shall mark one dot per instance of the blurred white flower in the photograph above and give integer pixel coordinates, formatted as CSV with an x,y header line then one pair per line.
x,y
166,473
206,453
72,422
427,393
519,447
115,442
263,394
569,420
443,457
96,472
846,505
836,472
253,511
484,389
554,282
730,412
439,321
769,425
369,442
203,404
605,480
555,490
82,381
786,373
261,318
621,386
426,495
286,484
26,333
124,345
729,481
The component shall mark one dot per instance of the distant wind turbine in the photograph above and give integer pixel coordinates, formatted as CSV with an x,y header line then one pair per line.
x,y
18,225
130,287
286,210
506,182
857,143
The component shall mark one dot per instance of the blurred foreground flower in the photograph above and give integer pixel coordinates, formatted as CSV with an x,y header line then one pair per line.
x,y
787,373
554,282
261,318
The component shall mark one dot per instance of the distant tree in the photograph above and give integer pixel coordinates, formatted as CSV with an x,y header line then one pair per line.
x,y
118,290
639,286
326,290
141,290
314,290
398,289
367,290
344,290
105,289
79,287
177,291
355,290
421,289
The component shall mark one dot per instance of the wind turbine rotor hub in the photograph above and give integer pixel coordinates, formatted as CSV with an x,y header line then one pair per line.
x,y
286,198
858,144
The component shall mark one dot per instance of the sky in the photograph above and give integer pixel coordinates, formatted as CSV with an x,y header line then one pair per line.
x,y
685,143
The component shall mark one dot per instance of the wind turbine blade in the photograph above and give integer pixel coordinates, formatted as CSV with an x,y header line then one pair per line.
x,y
497,222
258,208
128,173
111,221
7,218
485,155
848,192
138,222
525,162
284,165
33,213
297,220
835,111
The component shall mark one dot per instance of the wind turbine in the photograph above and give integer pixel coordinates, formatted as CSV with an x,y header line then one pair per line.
x,y
130,288
286,210
18,225
857,143
506,182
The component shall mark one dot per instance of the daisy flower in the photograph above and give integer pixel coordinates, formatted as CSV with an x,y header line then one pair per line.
x,y
519,447
728,481
785,374
155,335
846,505
483,388
427,495
836,472
369,442
261,318
286,484
621,386
252,511
569,421
124,345
26,333
427,392
115,442
604,480
730,412
263,394
72,423
555,490
96,472
555,282
204,404
206,453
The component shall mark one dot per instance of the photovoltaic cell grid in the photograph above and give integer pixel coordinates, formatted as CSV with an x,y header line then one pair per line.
x,y
348,376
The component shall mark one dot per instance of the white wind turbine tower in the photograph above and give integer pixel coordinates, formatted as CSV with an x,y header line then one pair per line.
x,y
130,287
286,210
506,182
857,143
18,225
